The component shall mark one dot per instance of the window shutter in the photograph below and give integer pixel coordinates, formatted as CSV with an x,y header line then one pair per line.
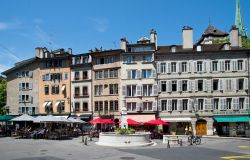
x,y
190,85
234,100
211,104
237,100
159,105
210,66
30,74
205,85
195,66
153,73
236,84
20,86
196,85
235,66
30,86
222,66
153,57
196,104
138,90
245,65
154,106
124,91
189,66
221,84
206,104
155,90
19,98
168,67
204,66
138,106
159,86
179,105
129,74
247,103
169,86
179,87
158,67
246,83
190,104
138,74
180,67
19,110
209,85
169,108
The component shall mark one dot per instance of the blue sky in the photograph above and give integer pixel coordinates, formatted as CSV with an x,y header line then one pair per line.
x,y
85,24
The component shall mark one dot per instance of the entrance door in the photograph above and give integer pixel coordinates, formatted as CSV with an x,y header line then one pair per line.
x,y
201,127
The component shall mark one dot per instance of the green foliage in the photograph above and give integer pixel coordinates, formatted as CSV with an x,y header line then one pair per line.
x,y
3,96
220,40
124,131
246,43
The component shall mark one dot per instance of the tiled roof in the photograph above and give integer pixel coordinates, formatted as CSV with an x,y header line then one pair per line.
x,y
211,30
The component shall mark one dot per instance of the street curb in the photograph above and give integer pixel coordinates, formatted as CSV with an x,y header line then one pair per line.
x,y
218,137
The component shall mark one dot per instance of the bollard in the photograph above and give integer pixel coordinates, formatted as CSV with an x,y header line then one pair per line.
x,y
82,139
191,141
86,141
168,145
90,138
181,142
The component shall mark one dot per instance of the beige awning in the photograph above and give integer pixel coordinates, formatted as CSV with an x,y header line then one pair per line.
x,y
142,118
45,104
57,103
63,88
177,119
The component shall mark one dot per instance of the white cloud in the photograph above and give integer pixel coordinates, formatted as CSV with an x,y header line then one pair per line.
x,y
3,68
9,25
100,24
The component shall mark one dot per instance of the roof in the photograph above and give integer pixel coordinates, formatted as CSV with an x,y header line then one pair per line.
x,y
20,64
106,51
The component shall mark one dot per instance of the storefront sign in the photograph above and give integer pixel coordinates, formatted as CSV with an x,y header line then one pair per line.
x,y
231,113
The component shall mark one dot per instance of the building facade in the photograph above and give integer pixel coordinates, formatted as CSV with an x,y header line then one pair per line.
x,y
81,86
106,73
138,78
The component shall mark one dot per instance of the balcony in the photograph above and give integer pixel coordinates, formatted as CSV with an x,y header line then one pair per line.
x,y
81,78
81,95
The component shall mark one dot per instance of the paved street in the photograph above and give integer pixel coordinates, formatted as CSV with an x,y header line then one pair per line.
x,y
210,149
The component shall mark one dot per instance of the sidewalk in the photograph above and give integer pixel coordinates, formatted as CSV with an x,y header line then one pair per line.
x,y
219,137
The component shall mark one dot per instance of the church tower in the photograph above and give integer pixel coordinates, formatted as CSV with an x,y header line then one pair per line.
x,y
239,20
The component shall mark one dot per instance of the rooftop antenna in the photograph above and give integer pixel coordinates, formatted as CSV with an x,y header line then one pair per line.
x,y
209,21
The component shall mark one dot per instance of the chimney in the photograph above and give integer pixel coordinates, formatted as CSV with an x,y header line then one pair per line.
x,y
70,50
153,37
187,37
39,52
234,36
123,44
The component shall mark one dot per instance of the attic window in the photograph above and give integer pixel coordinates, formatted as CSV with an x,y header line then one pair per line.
x,y
173,49
226,47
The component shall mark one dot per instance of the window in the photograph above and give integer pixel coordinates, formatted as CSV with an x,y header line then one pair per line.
x,y
174,86
98,90
216,104
215,66
111,73
200,85
85,75
215,84
77,91
77,60
241,84
147,90
163,68
163,86
200,104
131,106
116,106
184,85
174,105
146,73
229,103
25,86
164,105
147,106
199,66
173,66
100,74
241,103
185,104
131,90
228,84
96,106
85,91
113,89
147,58
77,75
106,74
133,74
55,89
46,90
227,65
183,66
85,106
61,107
96,75
100,106
106,106
66,76
115,73
102,60
77,107
129,59
111,106
240,65
25,99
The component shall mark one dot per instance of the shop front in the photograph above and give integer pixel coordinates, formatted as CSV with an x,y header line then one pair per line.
x,y
178,125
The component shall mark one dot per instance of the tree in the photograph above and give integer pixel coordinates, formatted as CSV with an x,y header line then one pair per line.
x,y
3,96
246,43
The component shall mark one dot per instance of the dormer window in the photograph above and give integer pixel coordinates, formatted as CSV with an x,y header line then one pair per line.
x,y
173,49
198,48
226,47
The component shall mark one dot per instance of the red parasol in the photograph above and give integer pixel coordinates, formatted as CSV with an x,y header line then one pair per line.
x,y
108,121
132,122
97,120
156,122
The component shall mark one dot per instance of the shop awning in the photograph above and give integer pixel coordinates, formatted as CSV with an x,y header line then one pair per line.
x,y
63,88
142,118
233,119
57,103
45,104
6,117
177,119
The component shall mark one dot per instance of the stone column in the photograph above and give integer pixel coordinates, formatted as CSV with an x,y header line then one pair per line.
x,y
210,127
193,123
124,117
